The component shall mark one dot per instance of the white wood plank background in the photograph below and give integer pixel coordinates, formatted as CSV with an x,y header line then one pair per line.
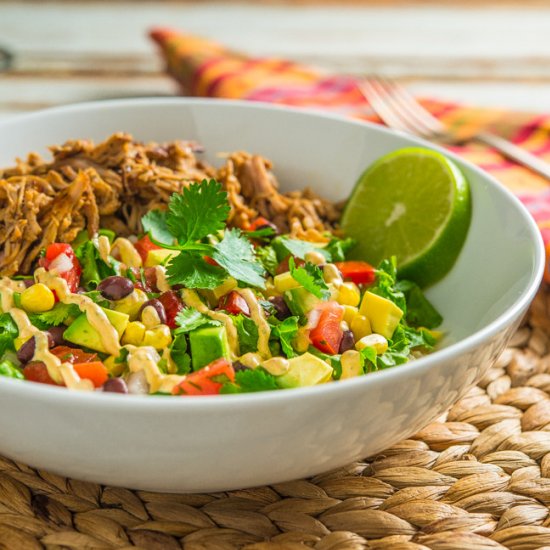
x,y
70,51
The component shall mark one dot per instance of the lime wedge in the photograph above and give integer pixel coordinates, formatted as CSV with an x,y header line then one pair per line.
x,y
414,204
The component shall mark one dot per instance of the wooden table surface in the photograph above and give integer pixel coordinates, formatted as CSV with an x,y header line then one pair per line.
x,y
488,54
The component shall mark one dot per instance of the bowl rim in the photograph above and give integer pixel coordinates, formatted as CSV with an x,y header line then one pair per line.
x,y
161,403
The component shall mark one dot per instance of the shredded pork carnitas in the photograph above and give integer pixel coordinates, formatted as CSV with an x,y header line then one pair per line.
x,y
113,184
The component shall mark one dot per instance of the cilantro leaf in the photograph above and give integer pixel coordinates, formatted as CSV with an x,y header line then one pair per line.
x,y
236,255
310,277
338,248
286,332
154,223
386,284
268,258
189,319
192,271
55,316
285,246
247,331
94,269
8,332
251,380
199,210
420,312
178,353
10,370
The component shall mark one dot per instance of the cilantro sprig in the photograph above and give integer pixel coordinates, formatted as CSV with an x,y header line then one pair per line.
x,y
200,211
310,277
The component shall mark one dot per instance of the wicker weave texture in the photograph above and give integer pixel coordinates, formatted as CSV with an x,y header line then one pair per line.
x,y
478,478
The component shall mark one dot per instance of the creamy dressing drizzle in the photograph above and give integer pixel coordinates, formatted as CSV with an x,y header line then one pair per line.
x,y
191,298
59,372
162,283
146,358
258,316
95,315
103,246
128,254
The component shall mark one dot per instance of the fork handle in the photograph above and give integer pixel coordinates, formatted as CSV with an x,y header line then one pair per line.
x,y
513,152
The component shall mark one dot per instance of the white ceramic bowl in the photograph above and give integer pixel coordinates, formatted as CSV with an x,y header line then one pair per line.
x,y
235,441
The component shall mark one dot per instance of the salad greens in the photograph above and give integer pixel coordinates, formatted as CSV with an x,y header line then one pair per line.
x,y
209,309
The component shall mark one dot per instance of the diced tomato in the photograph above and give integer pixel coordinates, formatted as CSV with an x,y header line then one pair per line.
x,y
260,222
360,273
211,261
283,267
234,304
328,333
73,355
144,245
61,257
173,305
36,371
208,380
95,371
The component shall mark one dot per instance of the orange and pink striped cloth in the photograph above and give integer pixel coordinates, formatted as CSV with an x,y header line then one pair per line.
x,y
205,68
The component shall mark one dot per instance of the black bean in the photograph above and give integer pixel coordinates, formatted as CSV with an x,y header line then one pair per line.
x,y
115,385
347,342
157,306
281,309
26,352
238,366
56,335
115,287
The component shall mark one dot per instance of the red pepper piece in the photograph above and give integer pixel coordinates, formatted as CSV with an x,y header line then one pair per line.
x,y
234,304
360,273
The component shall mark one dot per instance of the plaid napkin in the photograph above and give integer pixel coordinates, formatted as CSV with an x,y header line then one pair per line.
x,y
205,68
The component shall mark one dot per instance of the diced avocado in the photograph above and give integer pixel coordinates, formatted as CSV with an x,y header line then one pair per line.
x,y
305,370
159,256
207,345
284,281
383,314
300,301
81,332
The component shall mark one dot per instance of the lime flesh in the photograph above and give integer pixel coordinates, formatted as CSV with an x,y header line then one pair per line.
x,y
414,204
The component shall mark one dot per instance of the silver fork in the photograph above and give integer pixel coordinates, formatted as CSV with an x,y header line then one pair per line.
x,y
400,110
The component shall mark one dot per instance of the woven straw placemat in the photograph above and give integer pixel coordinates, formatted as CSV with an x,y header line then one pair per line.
x,y
478,478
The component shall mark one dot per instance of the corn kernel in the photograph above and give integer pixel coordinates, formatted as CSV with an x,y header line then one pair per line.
x,y
331,274
149,317
131,304
351,364
315,257
284,282
114,368
349,295
376,341
301,342
350,313
360,326
158,337
37,298
134,333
